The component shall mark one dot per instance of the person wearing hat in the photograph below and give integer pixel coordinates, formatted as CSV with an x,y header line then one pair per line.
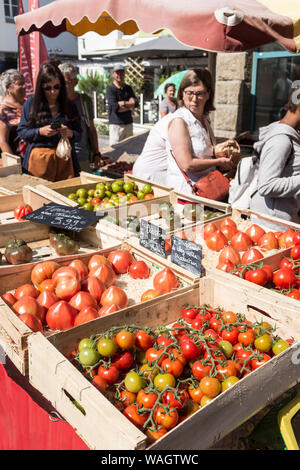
x,y
121,101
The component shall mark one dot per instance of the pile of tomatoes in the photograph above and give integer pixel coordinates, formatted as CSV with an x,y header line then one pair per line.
x,y
61,297
237,247
159,377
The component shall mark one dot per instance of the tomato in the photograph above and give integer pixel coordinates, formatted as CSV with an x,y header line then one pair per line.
x,y
241,242
127,398
110,373
21,210
226,348
165,281
28,304
32,321
200,369
83,300
263,343
216,241
189,349
94,286
26,289
107,309
88,356
227,222
230,333
284,278
134,382
280,346
81,268
154,356
195,393
139,270
287,263
46,299
47,284
85,343
104,273
146,399
138,419
209,228
162,340
210,386
188,314
67,287
114,295
152,435
167,419
225,370
229,254
296,238
85,315
97,260
215,323
228,231
293,294
100,383
257,276
107,347
120,260
251,255
123,361
269,271
229,382
246,337
61,316
214,354
268,242
237,366
229,317
286,240
161,381
125,339
143,340
149,295
255,232
175,399
9,298
242,356
65,272
295,252
148,371
227,266
174,367
42,271
260,360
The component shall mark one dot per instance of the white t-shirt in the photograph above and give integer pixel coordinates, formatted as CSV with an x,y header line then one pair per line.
x,y
202,147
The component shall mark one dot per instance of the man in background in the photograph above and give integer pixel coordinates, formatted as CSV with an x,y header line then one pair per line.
x,y
121,101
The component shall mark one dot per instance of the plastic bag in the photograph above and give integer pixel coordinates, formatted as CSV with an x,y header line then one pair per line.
x,y
64,149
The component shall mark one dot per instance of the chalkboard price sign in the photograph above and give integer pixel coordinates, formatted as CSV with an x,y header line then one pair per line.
x,y
63,217
152,237
187,254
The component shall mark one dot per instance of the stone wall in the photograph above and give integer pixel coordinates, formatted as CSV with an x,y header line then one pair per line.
x,y
232,94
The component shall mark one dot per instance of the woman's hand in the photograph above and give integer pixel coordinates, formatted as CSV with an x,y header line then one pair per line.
x,y
225,163
65,131
47,131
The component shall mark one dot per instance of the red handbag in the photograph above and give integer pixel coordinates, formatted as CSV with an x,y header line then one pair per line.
x,y
214,186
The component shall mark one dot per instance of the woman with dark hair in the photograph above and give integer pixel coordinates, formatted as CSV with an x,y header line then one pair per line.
x,y
191,142
46,117
169,104
278,147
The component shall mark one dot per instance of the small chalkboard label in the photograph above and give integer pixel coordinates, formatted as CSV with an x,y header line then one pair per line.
x,y
152,237
187,254
63,217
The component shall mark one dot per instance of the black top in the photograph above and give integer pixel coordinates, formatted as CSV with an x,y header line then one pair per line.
x,y
115,94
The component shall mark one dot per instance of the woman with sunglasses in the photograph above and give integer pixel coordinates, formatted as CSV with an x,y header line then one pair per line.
x,y
191,145
46,117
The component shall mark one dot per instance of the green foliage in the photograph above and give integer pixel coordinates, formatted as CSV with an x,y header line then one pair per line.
x,y
102,128
93,81
164,77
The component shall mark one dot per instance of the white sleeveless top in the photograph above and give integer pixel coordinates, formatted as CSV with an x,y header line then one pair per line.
x,y
202,147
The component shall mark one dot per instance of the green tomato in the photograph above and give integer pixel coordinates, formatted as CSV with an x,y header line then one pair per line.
x,y
91,192
81,201
117,186
140,195
161,381
88,356
100,186
147,189
72,196
107,347
134,382
263,343
99,193
229,382
128,187
85,343
226,348
107,185
108,194
280,346
88,206
82,192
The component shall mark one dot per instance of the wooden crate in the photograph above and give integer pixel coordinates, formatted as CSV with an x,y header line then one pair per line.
x,y
6,192
16,332
11,164
62,383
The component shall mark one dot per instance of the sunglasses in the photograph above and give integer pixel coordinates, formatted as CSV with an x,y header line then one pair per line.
x,y
48,88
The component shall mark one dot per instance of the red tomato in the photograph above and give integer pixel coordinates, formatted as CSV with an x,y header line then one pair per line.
x,y
174,367
200,369
85,315
188,314
268,242
97,260
210,386
138,419
175,400
139,270
65,272
163,341
47,284
146,399
294,294
67,287
229,254
96,200
154,356
230,333
295,252
42,271
165,281
123,360
225,222
226,267
125,339
107,309
114,295
251,255
246,337
149,295
228,231
61,316
286,240
189,349
296,238
100,383
255,232
26,289
242,355
167,419
257,276
81,268
109,374
143,340
105,274
216,241
9,298
47,298
269,271
120,260
94,286
195,393
225,370
29,305
22,210
261,359
82,300
241,242
209,228
33,322
287,263
284,278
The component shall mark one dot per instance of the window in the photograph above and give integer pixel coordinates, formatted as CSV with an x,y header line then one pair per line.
x,y
11,9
